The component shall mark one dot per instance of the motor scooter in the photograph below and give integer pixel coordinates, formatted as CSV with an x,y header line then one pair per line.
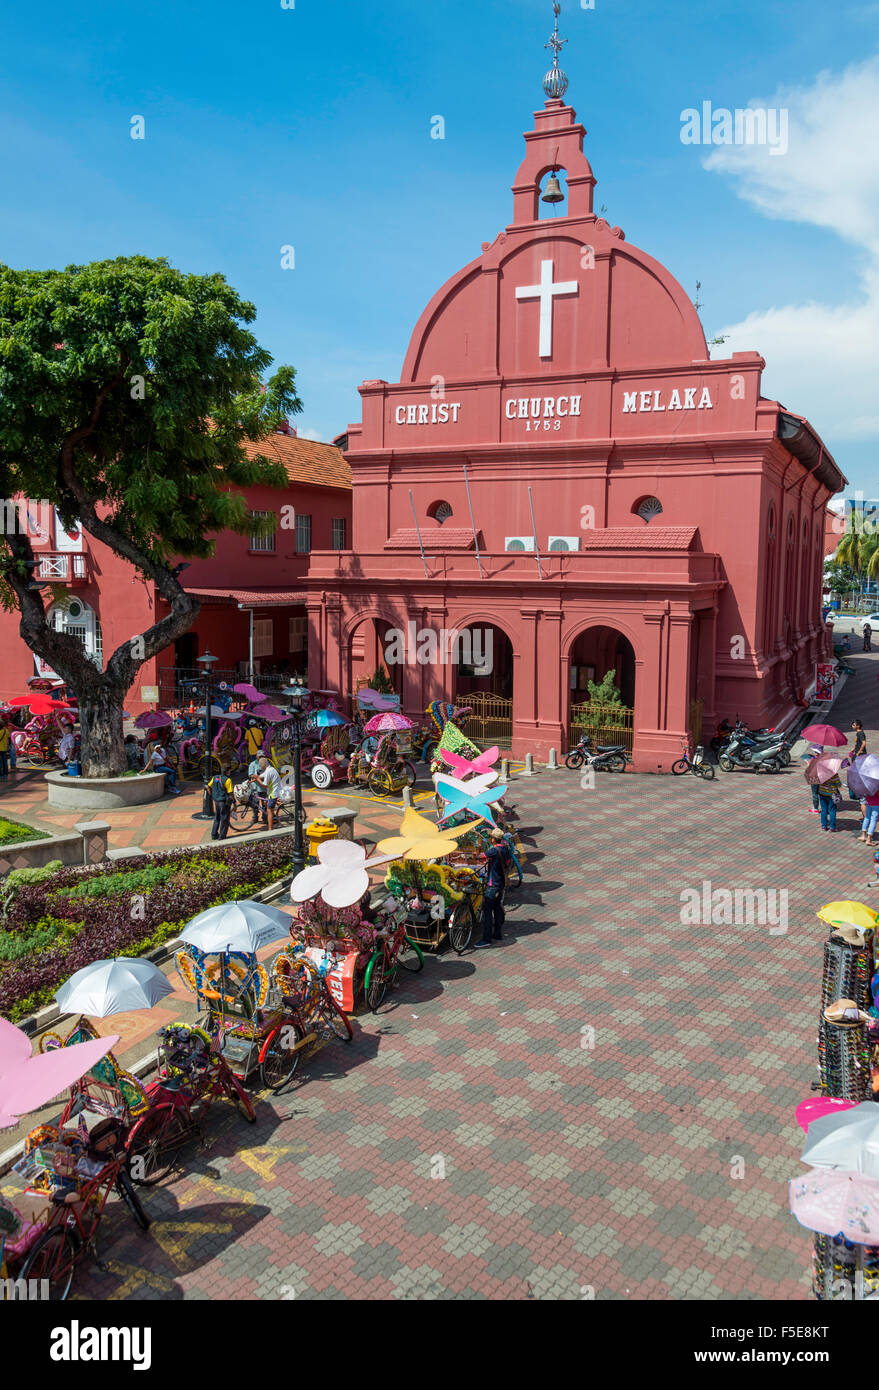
x,y
741,752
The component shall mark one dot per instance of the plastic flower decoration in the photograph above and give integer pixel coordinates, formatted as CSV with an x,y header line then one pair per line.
x,y
340,877
476,765
419,838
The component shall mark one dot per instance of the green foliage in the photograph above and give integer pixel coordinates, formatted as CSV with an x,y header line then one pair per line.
x,y
605,692
381,681
167,363
47,932
116,884
12,833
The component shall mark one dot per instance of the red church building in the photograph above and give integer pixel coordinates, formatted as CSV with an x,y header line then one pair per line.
x,y
563,466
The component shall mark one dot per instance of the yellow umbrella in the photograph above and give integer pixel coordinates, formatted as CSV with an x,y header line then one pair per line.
x,y
419,838
849,914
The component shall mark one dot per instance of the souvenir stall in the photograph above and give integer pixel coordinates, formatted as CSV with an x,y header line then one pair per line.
x,y
838,1199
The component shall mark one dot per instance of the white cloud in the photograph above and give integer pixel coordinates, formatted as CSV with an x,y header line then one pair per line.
x,y
820,356
310,434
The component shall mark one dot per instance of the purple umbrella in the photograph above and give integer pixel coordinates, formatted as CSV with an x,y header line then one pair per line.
x,y
863,775
153,719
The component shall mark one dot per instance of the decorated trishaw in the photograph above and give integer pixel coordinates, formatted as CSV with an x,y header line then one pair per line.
x,y
388,769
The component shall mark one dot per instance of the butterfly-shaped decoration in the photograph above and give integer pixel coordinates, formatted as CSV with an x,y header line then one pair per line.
x,y
419,838
339,877
447,786
465,766
459,796
27,1082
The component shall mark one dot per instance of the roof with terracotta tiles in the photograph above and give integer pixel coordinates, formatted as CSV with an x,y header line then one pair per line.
x,y
433,538
639,538
250,598
306,461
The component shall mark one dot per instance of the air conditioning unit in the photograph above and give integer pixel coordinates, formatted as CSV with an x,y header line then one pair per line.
x,y
519,543
564,542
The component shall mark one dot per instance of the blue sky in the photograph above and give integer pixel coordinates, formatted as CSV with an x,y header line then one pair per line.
x,y
310,127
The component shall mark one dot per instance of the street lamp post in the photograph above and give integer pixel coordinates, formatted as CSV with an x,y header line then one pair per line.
x,y
206,662
296,695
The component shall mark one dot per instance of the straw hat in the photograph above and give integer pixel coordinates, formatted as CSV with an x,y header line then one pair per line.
x,y
855,936
844,1012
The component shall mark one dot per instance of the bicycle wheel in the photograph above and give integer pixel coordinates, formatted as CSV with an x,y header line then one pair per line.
x,y
152,1152
132,1201
411,774
706,772
462,924
574,760
243,816
209,767
280,1061
52,1258
334,1017
410,956
379,784
241,1100
376,981
680,767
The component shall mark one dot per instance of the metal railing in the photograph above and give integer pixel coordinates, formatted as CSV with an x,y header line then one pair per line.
x,y
175,683
491,721
602,723
62,567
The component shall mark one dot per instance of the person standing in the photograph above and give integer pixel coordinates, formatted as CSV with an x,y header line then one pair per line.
x,y
13,752
493,915
4,751
868,636
871,815
815,751
221,796
860,744
270,778
828,797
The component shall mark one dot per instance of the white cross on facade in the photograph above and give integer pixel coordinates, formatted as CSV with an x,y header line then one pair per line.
x,y
546,292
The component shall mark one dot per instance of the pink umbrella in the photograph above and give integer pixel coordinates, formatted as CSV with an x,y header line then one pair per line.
x,y
153,719
823,768
826,735
249,692
270,712
27,1082
387,723
835,1202
816,1106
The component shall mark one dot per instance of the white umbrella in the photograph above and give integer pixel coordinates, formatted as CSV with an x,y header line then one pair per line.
x,y
848,1140
113,987
239,926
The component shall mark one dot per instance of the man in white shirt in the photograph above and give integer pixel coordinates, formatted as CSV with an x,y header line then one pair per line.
x,y
270,778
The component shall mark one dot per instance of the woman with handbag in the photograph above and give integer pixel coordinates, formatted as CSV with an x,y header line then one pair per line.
x,y
829,797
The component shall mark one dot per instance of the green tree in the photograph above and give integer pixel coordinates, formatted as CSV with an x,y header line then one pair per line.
x,y
605,692
127,391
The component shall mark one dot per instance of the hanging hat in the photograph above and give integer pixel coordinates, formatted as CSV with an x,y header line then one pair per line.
x,y
844,1012
855,936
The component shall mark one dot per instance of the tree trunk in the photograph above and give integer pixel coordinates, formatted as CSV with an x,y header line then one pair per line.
x,y
100,722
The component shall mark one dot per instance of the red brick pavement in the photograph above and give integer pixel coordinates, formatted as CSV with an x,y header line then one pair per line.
x,y
603,1103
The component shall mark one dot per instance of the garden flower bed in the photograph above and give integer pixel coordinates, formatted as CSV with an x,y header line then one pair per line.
x,y
59,921
13,832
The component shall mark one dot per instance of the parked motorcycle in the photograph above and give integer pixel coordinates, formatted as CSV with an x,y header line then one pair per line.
x,y
760,738
603,757
744,752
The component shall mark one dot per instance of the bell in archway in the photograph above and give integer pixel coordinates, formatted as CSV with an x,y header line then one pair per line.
x,y
553,193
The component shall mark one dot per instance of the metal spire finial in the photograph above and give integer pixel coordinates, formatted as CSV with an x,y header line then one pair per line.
x,y
555,83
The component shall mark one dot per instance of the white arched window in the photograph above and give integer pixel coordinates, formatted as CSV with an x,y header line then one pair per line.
x,y
79,620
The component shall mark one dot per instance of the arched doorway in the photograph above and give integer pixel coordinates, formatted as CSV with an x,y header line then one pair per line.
x,y
593,655
367,645
483,656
